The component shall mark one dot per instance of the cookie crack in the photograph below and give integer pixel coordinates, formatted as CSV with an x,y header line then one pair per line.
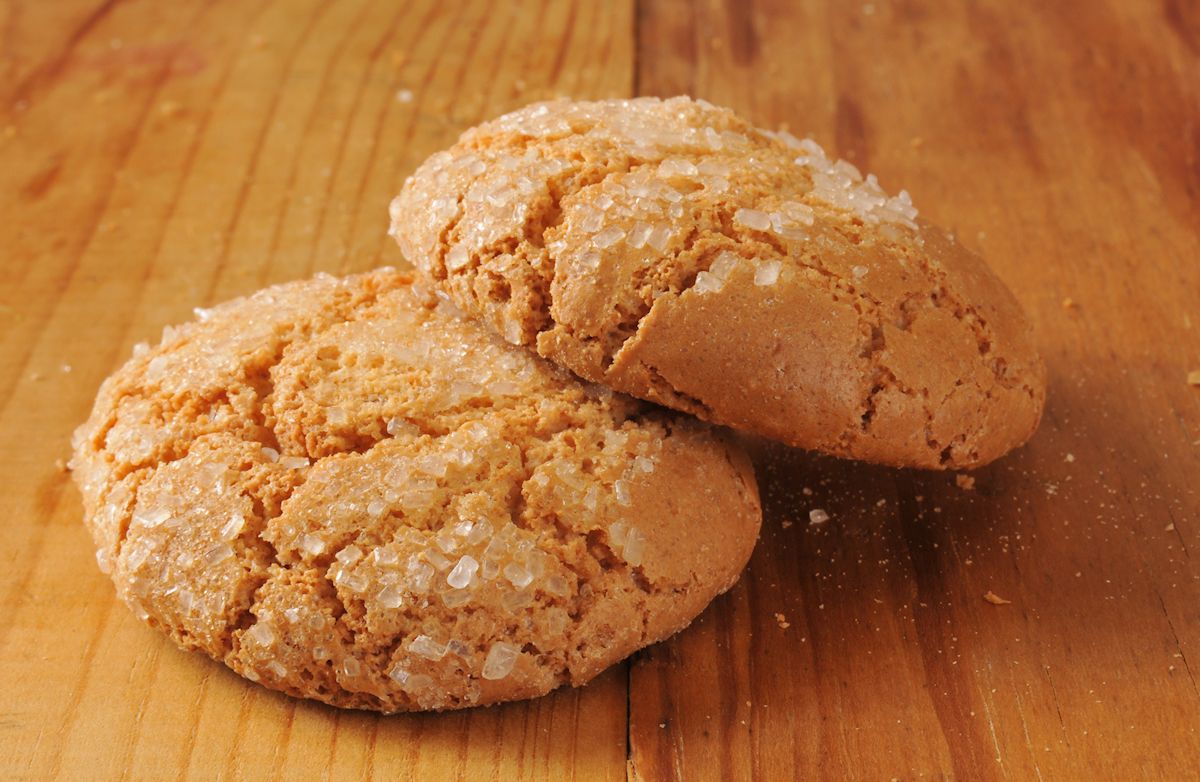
x,y
841,288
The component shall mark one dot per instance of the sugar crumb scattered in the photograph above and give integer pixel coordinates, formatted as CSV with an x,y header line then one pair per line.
x,y
817,516
783,622
1069,457
60,464
404,96
1193,378
995,599
1068,303
965,482
1170,527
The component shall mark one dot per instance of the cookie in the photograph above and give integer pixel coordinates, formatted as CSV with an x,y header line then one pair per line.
x,y
669,250
346,492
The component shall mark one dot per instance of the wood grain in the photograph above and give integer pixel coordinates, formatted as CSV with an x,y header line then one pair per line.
x,y
156,157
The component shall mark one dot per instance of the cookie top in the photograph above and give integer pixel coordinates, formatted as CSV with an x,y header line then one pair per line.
x,y
346,492
669,250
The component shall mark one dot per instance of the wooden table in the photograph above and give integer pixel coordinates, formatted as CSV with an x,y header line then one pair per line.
x,y
157,156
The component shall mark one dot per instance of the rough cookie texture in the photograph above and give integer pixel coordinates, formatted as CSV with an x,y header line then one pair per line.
x,y
345,492
671,251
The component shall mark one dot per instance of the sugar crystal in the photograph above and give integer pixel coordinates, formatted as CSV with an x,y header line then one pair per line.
x,y
349,555
261,634
621,492
462,573
639,234
313,545
752,219
480,531
355,582
635,545
426,647
457,258
589,261
137,555
151,518
676,167
398,426
659,237
592,221
513,601
233,527
417,682
706,282
436,559
420,575
557,585
767,273
390,597
517,575
445,541
608,237
500,660
218,553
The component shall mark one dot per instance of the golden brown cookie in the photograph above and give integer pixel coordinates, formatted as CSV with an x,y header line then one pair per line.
x,y
351,494
671,251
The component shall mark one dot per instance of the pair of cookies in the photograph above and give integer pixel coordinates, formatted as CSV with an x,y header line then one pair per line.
x,y
358,491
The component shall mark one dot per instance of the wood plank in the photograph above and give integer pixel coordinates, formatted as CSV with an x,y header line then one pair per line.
x,y
1054,138
214,150
155,157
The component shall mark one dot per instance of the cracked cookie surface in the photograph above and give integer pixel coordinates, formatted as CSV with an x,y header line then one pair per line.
x,y
669,250
346,492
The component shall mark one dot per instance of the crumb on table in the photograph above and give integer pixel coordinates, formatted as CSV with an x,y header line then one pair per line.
x,y
995,599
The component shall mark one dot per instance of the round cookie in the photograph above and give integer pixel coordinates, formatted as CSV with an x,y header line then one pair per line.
x,y
669,250
346,492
